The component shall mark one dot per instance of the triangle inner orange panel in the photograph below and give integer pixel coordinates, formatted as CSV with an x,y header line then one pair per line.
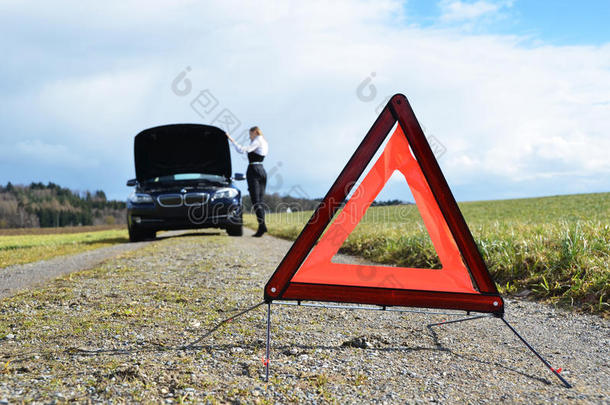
x,y
452,277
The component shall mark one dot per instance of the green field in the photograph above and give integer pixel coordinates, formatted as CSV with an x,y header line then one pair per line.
x,y
555,248
20,249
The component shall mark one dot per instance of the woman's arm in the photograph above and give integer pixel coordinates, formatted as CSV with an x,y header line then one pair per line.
x,y
238,147
244,149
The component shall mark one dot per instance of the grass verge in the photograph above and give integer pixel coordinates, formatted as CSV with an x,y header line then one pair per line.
x,y
553,248
20,249
57,230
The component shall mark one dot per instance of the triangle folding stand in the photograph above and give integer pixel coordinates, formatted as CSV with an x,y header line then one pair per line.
x,y
307,272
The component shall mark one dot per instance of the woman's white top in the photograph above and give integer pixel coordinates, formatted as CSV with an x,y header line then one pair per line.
x,y
258,145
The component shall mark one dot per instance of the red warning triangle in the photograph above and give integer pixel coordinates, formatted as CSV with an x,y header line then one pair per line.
x,y
463,282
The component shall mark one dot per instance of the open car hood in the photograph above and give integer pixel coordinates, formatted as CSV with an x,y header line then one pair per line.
x,y
181,148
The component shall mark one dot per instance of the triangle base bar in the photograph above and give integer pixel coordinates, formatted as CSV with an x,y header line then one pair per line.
x,y
489,303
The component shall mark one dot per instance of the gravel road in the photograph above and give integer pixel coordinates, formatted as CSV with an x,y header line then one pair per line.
x,y
19,277
119,331
22,276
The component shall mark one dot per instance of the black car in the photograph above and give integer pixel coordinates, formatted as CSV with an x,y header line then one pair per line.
x,y
183,181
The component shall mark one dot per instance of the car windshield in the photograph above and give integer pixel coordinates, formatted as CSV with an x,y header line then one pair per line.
x,y
202,177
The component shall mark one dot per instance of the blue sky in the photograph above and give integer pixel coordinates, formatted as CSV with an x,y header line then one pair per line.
x,y
516,92
558,22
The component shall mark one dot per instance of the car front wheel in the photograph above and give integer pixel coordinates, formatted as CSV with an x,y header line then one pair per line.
x,y
235,230
138,235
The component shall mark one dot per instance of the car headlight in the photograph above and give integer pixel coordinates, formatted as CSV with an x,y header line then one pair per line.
x,y
225,193
137,198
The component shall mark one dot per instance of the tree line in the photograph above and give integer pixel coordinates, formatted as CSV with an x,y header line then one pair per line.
x,y
277,203
50,205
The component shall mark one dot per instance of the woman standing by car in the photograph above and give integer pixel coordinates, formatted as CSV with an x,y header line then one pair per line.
x,y
256,175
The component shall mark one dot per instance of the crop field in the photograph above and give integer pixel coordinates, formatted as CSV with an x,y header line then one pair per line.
x,y
26,248
554,248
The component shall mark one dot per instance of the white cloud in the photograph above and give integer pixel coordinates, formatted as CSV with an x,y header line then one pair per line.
x,y
36,152
503,110
100,103
460,11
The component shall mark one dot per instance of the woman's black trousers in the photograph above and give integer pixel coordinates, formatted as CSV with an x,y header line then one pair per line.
x,y
257,181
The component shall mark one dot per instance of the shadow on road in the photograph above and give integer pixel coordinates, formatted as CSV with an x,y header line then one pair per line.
x,y
185,234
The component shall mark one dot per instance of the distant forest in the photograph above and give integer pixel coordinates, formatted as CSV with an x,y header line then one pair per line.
x,y
40,205
277,203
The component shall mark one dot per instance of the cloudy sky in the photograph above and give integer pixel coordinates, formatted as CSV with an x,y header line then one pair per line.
x,y
516,93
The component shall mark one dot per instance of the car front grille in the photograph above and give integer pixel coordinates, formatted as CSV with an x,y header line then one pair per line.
x,y
177,200
170,200
191,199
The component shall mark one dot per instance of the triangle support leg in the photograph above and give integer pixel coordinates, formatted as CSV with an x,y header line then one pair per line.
x,y
219,324
536,353
268,348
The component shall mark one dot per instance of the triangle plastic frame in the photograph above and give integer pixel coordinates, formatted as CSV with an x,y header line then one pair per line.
x,y
484,299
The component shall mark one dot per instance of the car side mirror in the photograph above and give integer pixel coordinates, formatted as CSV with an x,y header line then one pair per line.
x,y
239,176
132,183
